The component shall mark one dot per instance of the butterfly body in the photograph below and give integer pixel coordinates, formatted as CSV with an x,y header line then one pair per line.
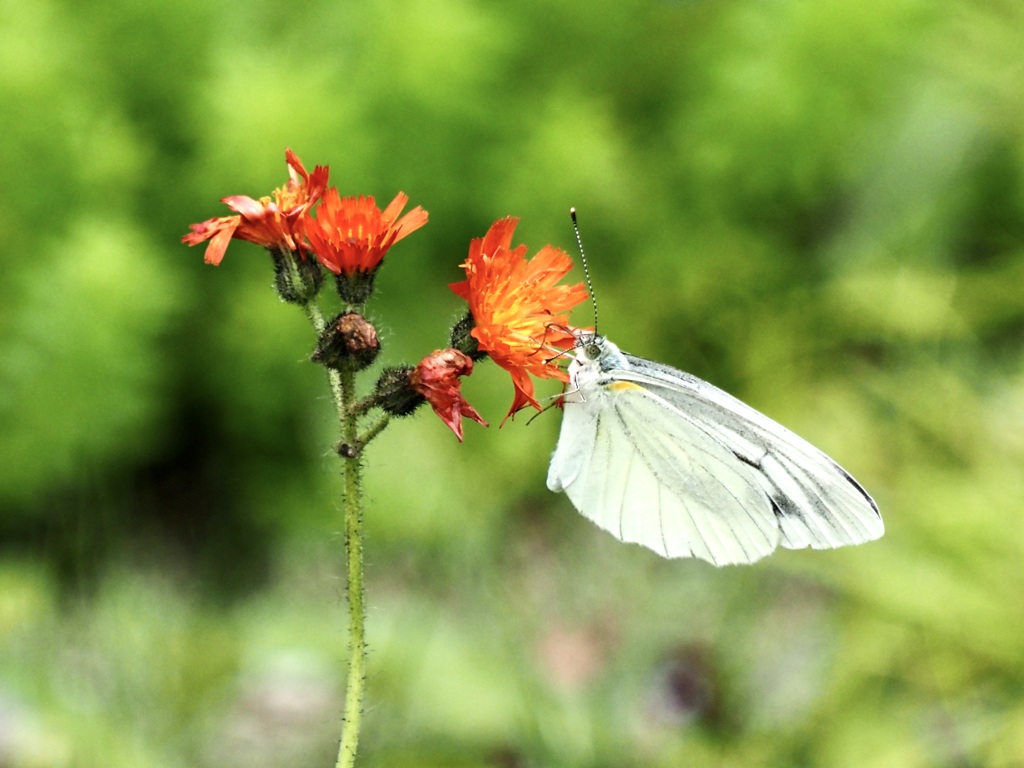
x,y
658,457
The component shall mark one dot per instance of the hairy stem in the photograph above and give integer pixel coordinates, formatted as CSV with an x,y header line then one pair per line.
x,y
354,555
342,400
343,390
373,431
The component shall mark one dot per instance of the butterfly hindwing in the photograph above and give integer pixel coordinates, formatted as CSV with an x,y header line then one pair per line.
x,y
672,489
817,502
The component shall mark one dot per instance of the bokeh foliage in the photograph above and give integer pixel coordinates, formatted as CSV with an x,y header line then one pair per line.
x,y
817,205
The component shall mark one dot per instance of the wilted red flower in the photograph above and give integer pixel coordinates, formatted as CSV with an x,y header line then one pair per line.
x,y
437,379
351,234
270,222
519,311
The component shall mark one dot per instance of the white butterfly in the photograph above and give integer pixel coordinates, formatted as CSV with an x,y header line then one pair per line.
x,y
658,457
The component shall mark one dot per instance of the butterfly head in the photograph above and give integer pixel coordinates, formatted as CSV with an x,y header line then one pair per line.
x,y
594,351
589,346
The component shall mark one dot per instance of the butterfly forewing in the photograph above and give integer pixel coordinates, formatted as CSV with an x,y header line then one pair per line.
x,y
817,502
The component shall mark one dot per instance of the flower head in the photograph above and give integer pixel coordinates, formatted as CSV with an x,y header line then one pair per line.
x,y
437,379
351,234
274,223
519,311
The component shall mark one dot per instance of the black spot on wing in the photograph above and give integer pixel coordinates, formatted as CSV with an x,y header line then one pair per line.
x,y
755,463
860,489
791,510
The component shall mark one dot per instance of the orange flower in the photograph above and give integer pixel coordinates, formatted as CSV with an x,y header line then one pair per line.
x,y
351,234
520,313
437,379
273,223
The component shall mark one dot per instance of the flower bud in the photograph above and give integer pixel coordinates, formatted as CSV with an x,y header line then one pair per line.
x,y
395,392
349,341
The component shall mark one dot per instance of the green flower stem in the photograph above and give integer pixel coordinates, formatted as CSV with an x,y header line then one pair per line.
x,y
354,554
373,431
316,317
343,390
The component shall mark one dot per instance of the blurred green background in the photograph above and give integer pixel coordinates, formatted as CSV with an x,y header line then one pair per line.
x,y
818,206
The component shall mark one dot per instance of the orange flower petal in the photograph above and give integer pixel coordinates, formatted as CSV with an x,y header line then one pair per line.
x,y
271,222
519,310
218,231
351,234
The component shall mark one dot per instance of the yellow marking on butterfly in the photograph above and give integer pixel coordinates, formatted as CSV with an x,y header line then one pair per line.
x,y
622,386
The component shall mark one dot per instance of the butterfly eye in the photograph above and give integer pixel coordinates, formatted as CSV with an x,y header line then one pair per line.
x,y
592,351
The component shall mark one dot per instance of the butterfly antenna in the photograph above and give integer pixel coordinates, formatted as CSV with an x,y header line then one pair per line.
x,y
586,271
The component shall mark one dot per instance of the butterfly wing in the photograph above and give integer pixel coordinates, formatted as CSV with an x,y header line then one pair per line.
x,y
817,503
644,470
